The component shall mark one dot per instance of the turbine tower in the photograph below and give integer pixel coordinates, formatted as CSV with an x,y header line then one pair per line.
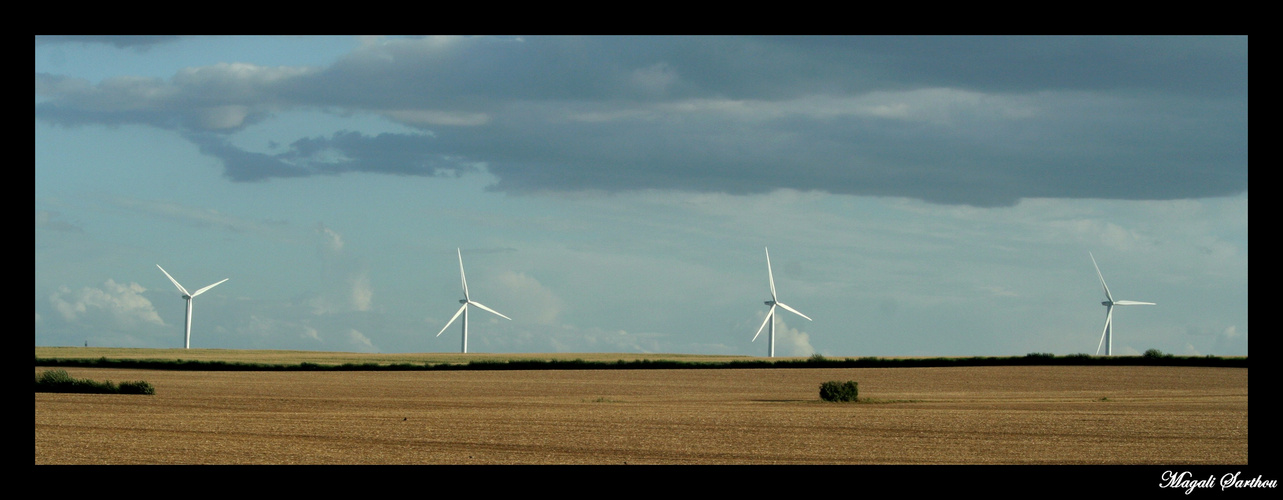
x,y
187,328
770,314
466,301
1107,337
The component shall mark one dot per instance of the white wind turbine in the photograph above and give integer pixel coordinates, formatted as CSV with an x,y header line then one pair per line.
x,y
187,328
466,301
1107,337
770,315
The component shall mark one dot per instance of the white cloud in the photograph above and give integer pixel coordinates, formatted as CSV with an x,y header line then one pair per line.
x,y
788,341
332,242
526,297
1230,332
362,294
429,118
569,338
346,280
223,117
360,342
122,304
237,79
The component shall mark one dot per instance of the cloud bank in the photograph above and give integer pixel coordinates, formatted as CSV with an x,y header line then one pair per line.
x,y
981,121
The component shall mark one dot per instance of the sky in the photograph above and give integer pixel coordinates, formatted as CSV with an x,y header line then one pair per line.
x,y
919,196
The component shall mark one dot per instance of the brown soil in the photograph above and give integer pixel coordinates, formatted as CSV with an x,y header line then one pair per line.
x,y
974,415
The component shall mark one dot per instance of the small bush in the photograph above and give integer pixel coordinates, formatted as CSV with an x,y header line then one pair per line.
x,y
139,387
1155,354
840,391
55,377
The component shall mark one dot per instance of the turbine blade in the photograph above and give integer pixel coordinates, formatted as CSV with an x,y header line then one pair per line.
x,y
769,315
769,275
174,281
452,318
1101,276
1133,303
478,304
462,277
792,310
1109,317
198,292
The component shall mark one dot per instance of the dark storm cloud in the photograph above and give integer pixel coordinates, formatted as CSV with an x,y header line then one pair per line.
x,y
344,152
1129,151
246,166
1210,66
136,42
973,120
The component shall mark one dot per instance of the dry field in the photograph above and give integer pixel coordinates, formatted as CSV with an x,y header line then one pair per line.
x,y
973,415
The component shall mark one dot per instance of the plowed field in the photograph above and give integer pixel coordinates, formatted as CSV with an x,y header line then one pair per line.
x,y
972,415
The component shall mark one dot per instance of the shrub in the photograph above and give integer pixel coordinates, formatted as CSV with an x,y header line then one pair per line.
x,y
1156,354
138,387
839,391
60,381
55,377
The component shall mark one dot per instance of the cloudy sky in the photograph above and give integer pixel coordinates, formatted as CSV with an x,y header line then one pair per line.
x,y
919,196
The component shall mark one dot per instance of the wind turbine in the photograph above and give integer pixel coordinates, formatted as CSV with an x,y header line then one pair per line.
x,y
187,329
466,301
1107,337
770,315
